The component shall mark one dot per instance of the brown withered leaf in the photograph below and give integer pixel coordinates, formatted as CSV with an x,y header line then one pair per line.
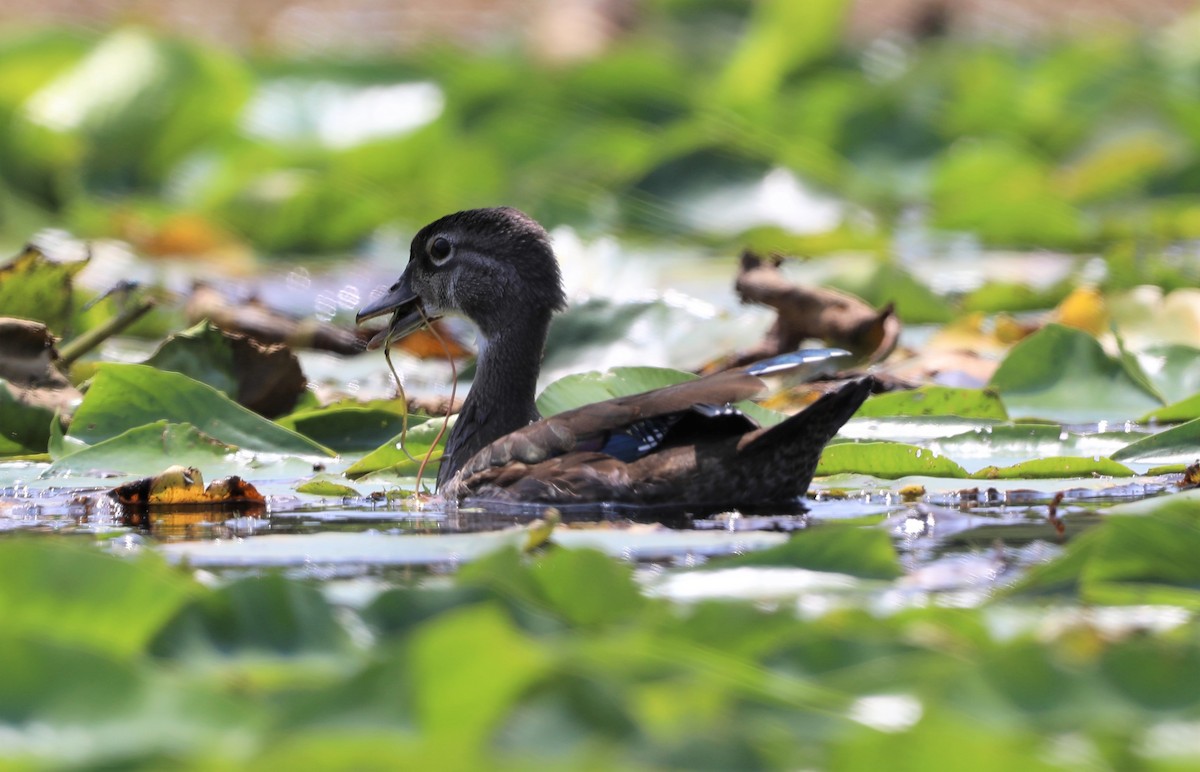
x,y
804,312
266,325
27,357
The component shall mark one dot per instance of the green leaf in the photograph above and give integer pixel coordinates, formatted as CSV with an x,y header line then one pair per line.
x,y
348,429
944,734
1063,373
74,594
1149,556
1056,467
1178,444
1176,412
887,460
326,485
890,283
781,37
201,352
1173,369
995,297
460,694
24,428
389,456
936,401
123,396
147,450
862,552
55,681
1003,193
587,587
268,614
36,284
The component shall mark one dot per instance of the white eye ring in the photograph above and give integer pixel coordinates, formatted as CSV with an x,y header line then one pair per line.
x,y
440,249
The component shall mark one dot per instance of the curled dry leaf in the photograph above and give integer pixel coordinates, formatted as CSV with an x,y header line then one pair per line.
x,y
27,357
267,325
838,318
180,485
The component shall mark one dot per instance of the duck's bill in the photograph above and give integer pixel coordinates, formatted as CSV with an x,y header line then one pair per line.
x,y
402,303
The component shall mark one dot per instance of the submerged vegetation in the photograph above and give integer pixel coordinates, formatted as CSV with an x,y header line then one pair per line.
x,y
999,560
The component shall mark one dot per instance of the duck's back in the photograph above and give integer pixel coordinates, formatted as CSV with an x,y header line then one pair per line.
x,y
706,459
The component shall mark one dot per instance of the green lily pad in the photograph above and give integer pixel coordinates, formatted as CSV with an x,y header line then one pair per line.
x,y
202,353
1056,467
887,460
389,456
348,429
1173,369
149,449
889,283
124,396
1063,373
936,401
24,429
36,284
1176,412
76,595
1146,558
325,485
1178,444
1008,444
863,552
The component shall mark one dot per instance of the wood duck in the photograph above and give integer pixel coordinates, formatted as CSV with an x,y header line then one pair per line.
x,y
681,445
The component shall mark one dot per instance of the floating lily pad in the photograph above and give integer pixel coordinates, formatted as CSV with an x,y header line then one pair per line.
x,y
36,284
146,449
75,595
1147,558
1009,444
325,485
936,401
406,460
1056,467
887,460
24,428
150,448
124,396
1179,444
862,552
1063,373
348,429
1183,410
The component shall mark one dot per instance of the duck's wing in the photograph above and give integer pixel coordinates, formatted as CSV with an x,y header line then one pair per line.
x,y
716,470
624,427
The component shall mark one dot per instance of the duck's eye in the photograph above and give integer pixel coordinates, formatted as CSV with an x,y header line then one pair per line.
x,y
439,249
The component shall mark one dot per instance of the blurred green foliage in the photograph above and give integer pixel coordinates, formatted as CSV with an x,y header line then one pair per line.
x,y
562,661
1067,143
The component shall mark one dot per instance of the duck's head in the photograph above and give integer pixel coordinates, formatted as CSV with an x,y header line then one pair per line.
x,y
494,266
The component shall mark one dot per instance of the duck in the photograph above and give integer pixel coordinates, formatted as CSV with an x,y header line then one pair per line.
x,y
684,445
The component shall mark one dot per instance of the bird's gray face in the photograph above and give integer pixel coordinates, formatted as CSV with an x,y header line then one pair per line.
x,y
494,266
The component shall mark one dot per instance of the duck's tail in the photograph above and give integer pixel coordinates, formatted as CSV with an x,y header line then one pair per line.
x,y
788,452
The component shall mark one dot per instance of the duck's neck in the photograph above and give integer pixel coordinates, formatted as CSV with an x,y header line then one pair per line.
x,y
501,399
